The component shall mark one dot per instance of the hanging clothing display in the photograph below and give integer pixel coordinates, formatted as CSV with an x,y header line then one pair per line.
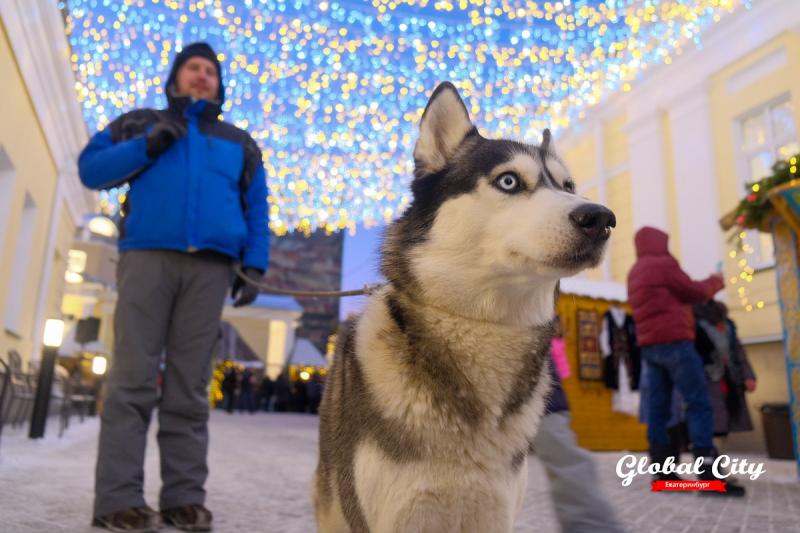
x,y
558,352
622,360
590,360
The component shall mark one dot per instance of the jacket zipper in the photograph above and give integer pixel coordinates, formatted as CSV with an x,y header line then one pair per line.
x,y
190,197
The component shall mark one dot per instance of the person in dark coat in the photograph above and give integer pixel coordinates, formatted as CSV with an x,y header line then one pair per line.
x,y
229,389
314,389
247,401
265,392
300,396
283,393
728,372
661,294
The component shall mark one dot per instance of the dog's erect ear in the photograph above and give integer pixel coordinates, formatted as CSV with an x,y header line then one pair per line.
x,y
546,138
444,125
548,145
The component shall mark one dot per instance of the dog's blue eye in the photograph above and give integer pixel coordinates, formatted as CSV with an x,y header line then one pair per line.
x,y
508,182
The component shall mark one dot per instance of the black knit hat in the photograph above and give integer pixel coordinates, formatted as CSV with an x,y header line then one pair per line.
x,y
192,50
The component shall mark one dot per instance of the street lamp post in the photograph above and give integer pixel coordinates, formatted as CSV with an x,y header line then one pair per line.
x,y
53,335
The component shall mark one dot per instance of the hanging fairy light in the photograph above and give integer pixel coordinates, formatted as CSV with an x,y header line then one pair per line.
x,y
754,212
332,90
744,275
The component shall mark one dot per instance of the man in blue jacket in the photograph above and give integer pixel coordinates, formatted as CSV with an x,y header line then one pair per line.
x,y
197,204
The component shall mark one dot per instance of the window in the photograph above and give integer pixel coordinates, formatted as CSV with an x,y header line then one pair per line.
x,y
766,135
20,266
6,188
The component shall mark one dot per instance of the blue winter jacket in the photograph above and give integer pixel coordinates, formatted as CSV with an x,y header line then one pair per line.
x,y
206,192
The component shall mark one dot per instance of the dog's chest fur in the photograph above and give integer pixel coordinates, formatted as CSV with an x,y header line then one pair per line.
x,y
422,401
454,381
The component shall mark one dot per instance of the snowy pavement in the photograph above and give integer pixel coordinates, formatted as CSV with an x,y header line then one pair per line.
x,y
261,467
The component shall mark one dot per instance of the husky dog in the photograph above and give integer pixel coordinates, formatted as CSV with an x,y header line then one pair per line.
x,y
437,389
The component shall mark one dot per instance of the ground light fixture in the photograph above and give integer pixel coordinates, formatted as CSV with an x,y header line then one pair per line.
x,y
99,365
53,337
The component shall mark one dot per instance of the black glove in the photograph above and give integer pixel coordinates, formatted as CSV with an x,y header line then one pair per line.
x,y
248,290
161,137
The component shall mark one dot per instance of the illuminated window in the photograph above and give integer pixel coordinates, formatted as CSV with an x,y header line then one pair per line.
x,y
766,135
6,188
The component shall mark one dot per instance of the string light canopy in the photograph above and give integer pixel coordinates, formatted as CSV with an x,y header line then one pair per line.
x,y
333,90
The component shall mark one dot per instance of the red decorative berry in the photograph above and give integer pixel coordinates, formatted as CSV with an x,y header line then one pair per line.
x,y
752,197
740,220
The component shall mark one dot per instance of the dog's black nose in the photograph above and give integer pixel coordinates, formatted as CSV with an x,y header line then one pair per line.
x,y
594,220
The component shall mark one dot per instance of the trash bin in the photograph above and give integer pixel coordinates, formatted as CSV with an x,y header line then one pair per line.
x,y
777,430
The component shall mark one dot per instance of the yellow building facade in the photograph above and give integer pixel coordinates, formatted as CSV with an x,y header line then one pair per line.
x,y
41,199
676,151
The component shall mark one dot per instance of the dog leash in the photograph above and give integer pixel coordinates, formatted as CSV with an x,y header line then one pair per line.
x,y
368,289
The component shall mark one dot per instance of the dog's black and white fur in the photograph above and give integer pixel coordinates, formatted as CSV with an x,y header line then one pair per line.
x,y
436,391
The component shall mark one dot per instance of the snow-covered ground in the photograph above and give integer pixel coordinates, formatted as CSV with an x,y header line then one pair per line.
x,y
261,467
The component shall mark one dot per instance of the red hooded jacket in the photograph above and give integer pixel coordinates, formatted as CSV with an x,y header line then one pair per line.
x,y
661,294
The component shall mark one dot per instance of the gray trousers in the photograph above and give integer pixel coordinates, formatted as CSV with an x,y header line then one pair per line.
x,y
168,303
579,503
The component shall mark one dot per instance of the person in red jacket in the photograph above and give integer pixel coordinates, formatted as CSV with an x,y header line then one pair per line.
x,y
661,296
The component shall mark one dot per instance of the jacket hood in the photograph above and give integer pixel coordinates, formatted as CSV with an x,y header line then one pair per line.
x,y
651,241
192,50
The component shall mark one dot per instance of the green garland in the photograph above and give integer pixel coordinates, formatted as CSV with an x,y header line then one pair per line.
x,y
755,208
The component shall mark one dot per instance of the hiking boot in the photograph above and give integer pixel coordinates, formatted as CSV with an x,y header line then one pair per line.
x,y
659,455
188,517
732,489
133,520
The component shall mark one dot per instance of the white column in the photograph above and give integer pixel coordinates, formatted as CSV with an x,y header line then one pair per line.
x,y
46,273
291,336
648,171
695,182
602,190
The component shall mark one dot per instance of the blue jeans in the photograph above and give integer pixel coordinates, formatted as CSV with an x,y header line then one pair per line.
x,y
677,364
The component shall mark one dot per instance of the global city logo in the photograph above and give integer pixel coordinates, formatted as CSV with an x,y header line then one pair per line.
x,y
630,466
